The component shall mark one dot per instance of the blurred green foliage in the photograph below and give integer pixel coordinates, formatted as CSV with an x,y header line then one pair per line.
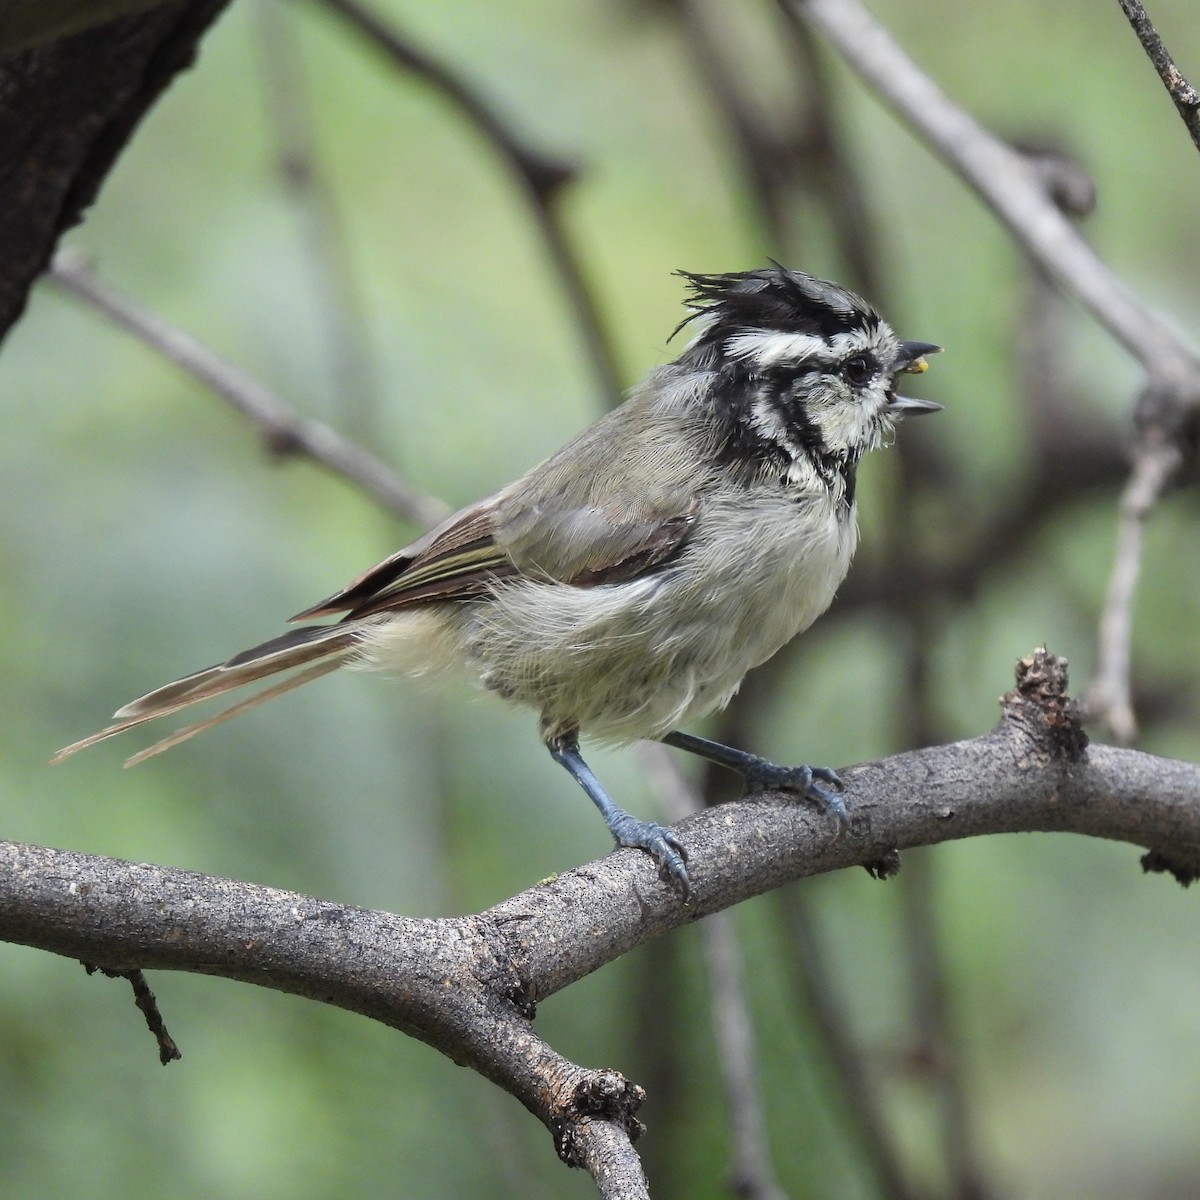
x,y
144,534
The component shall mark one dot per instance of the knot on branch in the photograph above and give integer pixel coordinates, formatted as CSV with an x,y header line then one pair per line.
x,y
1167,412
1065,180
1042,708
605,1094
1183,869
282,441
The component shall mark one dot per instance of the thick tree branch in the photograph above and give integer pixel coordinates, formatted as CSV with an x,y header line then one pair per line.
x,y
69,107
26,23
469,986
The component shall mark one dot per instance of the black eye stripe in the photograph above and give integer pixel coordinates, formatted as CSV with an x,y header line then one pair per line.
x,y
859,368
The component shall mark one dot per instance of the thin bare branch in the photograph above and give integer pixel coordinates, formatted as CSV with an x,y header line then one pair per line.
x,y
605,1152
863,1108
1109,697
1183,95
284,431
1012,187
937,1049
751,1174
767,162
322,240
542,178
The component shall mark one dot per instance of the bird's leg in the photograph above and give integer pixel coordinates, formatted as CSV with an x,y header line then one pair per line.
x,y
761,775
657,840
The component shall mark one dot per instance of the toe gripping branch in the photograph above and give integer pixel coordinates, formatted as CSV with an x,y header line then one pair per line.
x,y
762,775
657,840
660,842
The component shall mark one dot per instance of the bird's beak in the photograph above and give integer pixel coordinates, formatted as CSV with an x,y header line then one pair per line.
x,y
906,406
912,362
912,356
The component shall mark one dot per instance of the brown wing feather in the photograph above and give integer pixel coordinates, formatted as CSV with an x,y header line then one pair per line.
x,y
648,546
588,546
458,553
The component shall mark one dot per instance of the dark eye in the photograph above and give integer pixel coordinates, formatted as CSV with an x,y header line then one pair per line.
x,y
858,370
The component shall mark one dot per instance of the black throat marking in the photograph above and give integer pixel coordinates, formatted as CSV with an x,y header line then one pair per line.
x,y
745,448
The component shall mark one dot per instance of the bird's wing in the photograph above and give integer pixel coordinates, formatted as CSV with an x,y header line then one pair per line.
x,y
456,560
497,539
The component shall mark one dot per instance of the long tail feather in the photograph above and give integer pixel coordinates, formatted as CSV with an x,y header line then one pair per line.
x,y
190,731
293,649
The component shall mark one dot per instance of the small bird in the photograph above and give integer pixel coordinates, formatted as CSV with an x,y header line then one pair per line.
x,y
625,585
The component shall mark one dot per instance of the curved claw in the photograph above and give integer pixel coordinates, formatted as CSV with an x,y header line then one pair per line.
x,y
661,844
831,802
802,780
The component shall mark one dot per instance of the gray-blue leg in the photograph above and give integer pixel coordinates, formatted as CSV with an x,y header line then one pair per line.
x,y
761,775
657,840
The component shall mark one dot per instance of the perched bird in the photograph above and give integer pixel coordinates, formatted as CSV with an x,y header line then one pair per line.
x,y
627,584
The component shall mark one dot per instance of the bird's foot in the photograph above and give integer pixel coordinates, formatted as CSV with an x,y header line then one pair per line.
x,y
762,775
659,842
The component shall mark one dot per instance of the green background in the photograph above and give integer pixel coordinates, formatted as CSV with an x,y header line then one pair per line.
x,y
144,534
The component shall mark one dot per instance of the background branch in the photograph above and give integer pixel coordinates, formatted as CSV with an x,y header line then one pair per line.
x,y
283,431
1015,189
542,178
1183,95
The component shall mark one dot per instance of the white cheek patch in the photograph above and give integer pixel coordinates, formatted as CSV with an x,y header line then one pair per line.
x,y
768,421
859,425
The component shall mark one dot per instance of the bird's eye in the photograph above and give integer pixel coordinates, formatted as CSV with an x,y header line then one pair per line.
x,y
859,369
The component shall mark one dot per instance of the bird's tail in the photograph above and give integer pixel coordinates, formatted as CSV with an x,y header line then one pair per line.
x,y
325,647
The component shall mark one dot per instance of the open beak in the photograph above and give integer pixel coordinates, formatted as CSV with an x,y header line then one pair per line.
x,y
906,406
912,356
912,362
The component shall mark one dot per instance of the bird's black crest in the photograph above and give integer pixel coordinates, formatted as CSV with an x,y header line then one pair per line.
x,y
773,298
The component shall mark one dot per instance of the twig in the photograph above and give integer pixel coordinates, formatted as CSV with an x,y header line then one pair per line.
x,y
284,431
1184,96
1109,697
144,998
541,177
